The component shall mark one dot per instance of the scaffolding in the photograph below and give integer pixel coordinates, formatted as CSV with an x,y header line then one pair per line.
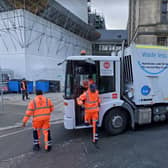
x,y
97,20
54,12
15,28
14,25
50,33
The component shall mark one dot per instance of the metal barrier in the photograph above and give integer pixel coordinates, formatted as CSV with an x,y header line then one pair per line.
x,y
2,100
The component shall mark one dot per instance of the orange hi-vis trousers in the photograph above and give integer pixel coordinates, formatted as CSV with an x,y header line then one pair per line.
x,y
44,126
92,118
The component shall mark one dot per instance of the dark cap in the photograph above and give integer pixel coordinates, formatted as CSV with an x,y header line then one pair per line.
x,y
92,87
39,92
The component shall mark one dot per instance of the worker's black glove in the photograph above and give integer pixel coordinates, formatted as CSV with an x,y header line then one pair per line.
x,y
82,107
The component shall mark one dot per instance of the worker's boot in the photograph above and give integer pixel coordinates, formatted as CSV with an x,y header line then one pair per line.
x,y
95,143
49,148
36,147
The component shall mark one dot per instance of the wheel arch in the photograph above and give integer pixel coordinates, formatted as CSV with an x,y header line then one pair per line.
x,y
125,107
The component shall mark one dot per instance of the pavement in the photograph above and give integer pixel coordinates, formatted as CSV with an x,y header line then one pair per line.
x,y
12,109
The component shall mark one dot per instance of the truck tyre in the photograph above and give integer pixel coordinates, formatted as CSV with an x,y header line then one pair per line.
x,y
115,122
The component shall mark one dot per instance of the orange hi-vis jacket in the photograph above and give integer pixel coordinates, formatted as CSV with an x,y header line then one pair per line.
x,y
90,100
23,85
39,108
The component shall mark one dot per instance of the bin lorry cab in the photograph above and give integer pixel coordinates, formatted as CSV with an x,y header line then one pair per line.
x,y
133,87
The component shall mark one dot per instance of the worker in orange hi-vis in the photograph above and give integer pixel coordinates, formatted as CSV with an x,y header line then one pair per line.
x,y
40,109
91,102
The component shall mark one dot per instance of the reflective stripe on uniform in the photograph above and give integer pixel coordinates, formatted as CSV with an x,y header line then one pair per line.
x,y
42,107
38,115
45,129
95,136
90,102
49,143
30,109
91,108
87,96
39,108
36,129
36,141
27,115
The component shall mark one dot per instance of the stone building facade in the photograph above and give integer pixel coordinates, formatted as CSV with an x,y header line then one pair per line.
x,y
148,22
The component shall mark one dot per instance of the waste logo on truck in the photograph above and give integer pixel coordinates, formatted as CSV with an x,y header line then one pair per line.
x,y
145,90
153,63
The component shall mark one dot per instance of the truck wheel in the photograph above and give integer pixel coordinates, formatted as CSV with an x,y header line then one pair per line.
x,y
115,122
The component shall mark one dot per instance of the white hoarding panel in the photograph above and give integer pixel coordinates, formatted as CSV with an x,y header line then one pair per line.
x,y
32,46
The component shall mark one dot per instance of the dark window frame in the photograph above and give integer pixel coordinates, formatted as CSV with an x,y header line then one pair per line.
x,y
106,80
164,11
162,40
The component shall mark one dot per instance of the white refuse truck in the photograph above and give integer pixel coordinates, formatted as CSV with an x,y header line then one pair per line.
x,y
133,87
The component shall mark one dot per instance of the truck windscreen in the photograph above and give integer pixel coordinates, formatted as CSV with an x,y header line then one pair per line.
x,y
76,73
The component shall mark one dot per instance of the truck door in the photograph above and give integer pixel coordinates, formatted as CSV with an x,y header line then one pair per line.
x,y
79,112
82,71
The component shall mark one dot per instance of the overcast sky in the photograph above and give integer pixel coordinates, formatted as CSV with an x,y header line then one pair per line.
x,y
114,11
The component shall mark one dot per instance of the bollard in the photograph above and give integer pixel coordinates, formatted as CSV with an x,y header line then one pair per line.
x,y
2,102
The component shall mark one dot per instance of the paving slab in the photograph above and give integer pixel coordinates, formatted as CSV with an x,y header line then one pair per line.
x,y
12,109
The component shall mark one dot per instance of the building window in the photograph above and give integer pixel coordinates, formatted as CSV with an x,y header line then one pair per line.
x,y
118,48
164,11
162,41
105,49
